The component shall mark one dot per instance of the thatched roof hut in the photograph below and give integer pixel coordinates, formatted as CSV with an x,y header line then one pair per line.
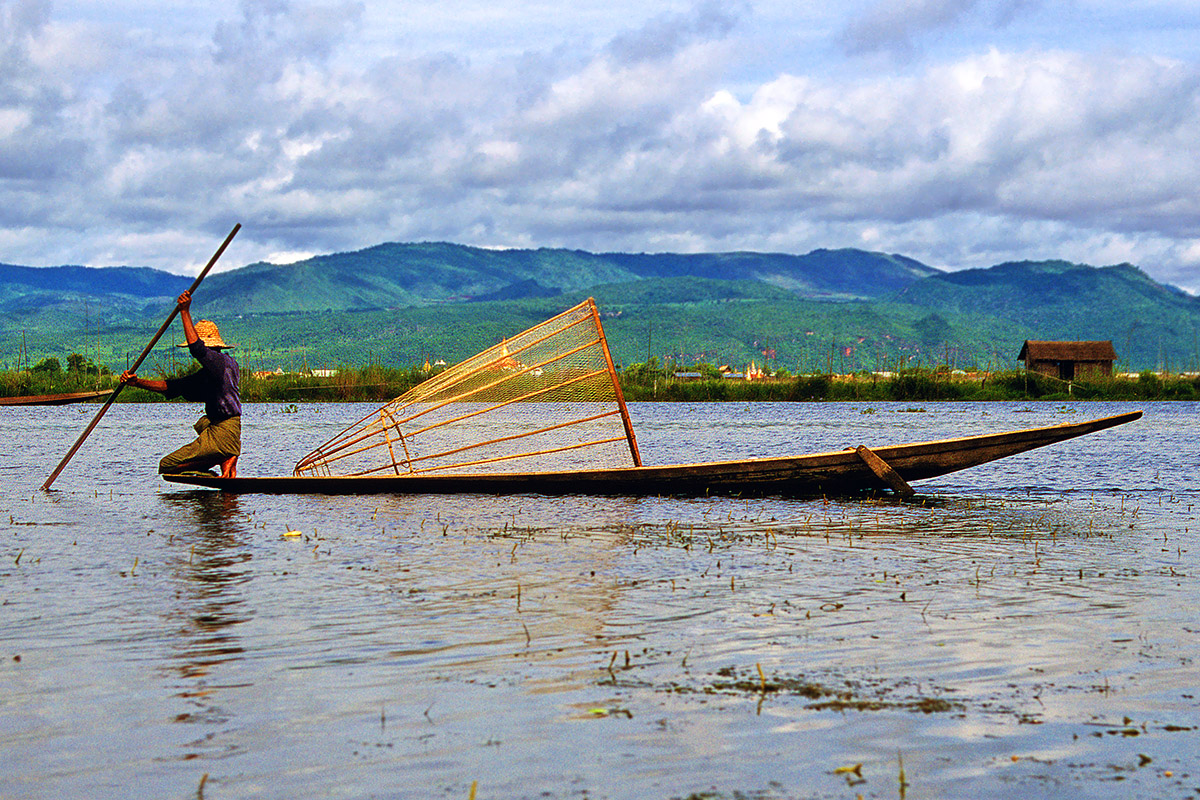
x,y
1068,360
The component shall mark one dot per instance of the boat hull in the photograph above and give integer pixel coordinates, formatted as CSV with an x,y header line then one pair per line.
x,y
53,399
835,473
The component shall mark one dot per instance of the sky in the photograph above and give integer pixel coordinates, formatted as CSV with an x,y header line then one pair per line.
x,y
962,133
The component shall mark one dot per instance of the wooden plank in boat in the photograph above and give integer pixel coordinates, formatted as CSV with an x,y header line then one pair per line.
x,y
884,471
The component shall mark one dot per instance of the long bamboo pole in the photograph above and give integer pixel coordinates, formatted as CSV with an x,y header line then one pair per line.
x,y
612,371
170,318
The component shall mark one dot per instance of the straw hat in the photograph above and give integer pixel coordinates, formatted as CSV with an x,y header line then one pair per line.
x,y
206,329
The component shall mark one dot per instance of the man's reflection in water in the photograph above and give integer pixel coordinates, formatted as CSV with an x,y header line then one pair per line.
x,y
210,567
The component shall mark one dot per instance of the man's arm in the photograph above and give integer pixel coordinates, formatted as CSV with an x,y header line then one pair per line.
x,y
130,378
184,303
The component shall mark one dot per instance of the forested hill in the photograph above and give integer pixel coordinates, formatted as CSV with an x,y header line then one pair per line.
x,y
1062,300
39,287
396,275
1036,289
828,309
406,275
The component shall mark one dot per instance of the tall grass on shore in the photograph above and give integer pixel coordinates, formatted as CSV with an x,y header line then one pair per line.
x,y
27,383
915,385
370,383
375,383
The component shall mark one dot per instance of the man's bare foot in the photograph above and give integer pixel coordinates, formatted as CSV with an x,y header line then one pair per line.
x,y
229,467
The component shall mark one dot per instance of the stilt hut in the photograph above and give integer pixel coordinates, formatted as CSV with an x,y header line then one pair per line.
x,y
1068,360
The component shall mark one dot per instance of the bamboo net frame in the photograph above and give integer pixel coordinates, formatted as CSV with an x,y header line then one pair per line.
x,y
547,399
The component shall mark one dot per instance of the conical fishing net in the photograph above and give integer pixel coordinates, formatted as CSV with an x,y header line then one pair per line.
x,y
544,400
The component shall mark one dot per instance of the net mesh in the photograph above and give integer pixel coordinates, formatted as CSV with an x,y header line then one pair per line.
x,y
544,400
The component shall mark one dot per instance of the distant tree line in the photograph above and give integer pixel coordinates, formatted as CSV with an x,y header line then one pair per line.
x,y
76,365
648,381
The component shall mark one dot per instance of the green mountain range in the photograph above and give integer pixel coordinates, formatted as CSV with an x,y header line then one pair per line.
x,y
407,275
399,304
29,289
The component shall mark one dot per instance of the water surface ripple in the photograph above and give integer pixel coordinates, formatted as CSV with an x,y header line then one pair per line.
x,y
1027,628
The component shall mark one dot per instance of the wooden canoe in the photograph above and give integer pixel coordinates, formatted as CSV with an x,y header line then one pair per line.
x,y
837,473
53,399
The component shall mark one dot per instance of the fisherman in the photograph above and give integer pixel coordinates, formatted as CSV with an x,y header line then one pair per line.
x,y
219,431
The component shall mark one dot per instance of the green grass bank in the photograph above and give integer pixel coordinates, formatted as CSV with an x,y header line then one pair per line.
x,y
642,383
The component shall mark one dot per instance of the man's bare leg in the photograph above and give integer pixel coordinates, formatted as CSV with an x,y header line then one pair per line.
x,y
229,467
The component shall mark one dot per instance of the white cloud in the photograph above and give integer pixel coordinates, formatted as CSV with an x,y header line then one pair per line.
x,y
899,25
288,257
291,118
1040,136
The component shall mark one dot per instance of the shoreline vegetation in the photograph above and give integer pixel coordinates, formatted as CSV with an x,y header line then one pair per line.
x,y
650,382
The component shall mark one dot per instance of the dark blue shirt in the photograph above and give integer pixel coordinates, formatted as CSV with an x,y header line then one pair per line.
x,y
215,383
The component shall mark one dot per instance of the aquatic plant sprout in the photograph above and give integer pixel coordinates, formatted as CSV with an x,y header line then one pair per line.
x,y
546,399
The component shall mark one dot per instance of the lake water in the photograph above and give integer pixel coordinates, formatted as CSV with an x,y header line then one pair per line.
x,y
1024,629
